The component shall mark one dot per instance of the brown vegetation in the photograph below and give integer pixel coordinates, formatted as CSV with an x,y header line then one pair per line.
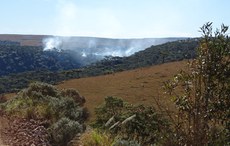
x,y
140,86
25,40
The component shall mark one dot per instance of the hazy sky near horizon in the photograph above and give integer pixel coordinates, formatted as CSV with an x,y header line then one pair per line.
x,y
112,18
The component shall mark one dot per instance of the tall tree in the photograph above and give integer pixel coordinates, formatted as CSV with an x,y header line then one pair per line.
x,y
203,116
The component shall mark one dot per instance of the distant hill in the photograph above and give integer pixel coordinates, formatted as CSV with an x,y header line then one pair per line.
x,y
24,40
92,48
168,52
85,42
21,53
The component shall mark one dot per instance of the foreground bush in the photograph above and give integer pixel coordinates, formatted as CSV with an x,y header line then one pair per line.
x,y
201,93
62,110
129,122
99,138
42,100
96,138
64,130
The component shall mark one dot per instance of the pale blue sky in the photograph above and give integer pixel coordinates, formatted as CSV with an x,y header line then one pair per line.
x,y
112,18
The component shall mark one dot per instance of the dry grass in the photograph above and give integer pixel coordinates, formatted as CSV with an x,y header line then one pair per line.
x,y
96,138
139,86
25,40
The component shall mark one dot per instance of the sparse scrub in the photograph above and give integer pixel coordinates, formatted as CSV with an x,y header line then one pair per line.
x,y
98,138
130,122
43,101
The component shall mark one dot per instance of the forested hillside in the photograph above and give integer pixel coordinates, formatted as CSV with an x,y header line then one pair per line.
x,y
16,59
168,52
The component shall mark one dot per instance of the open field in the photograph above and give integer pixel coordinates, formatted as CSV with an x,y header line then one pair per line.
x,y
139,86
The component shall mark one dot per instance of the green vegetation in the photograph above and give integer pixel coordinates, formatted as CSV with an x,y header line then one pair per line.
x,y
96,138
64,130
201,97
203,116
17,59
9,43
172,51
62,109
129,122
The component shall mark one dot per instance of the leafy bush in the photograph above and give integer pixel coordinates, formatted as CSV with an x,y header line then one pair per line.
x,y
201,94
63,131
130,122
44,101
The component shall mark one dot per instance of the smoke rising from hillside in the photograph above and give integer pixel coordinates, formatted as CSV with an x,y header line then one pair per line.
x,y
51,43
96,46
90,49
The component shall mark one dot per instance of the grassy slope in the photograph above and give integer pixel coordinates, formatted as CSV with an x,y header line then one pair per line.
x,y
139,86
25,40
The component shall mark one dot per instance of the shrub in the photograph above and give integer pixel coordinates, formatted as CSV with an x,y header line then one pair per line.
x,y
203,103
131,122
44,101
112,106
96,138
72,93
63,131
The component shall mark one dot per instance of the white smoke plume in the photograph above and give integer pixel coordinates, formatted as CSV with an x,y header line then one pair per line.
x,y
101,46
52,43
91,48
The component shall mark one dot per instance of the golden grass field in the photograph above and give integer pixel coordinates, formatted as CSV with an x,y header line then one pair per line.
x,y
139,86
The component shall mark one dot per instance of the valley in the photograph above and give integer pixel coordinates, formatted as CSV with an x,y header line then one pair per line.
x,y
114,73
116,96
21,65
